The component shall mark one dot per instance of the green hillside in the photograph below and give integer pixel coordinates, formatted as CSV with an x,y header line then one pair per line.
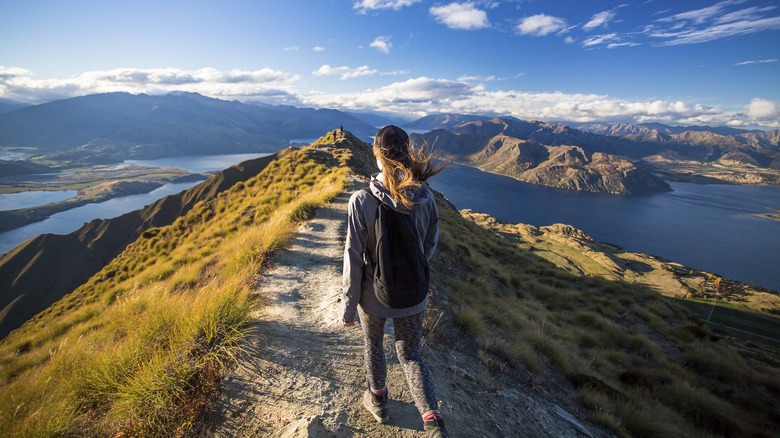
x,y
140,349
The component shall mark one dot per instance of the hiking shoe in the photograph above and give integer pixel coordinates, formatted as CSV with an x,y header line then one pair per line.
x,y
435,428
377,406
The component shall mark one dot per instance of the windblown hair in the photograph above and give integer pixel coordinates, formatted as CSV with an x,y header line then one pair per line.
x,y
398,178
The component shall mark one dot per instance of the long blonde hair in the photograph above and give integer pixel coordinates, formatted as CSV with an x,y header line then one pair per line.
x,y
412,165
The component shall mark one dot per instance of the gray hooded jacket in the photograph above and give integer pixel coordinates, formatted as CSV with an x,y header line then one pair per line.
x,y
357,289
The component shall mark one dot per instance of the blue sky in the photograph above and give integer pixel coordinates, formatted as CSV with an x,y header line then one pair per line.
x,y
677,62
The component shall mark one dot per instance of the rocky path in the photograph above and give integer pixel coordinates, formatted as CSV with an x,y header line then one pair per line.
x,y
303,374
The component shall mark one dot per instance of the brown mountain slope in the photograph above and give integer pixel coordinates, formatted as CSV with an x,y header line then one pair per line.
x,y
570,167
563,166
692,155
42,270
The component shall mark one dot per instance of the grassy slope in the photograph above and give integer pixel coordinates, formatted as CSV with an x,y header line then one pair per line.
x,y
139,349
574,251
623,355
737,305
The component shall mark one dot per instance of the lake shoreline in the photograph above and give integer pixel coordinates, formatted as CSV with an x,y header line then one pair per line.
x,y
12,219
713,227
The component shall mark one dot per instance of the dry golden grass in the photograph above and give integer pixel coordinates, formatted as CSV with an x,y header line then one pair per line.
x,y
140,349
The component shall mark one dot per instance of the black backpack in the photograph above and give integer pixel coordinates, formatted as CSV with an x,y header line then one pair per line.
x,y
394,254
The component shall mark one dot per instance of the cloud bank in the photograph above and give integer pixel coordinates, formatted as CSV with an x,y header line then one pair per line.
x,y
412,97
18,84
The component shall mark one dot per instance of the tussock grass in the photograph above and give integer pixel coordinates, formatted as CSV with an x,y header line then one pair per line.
x,y
141,348
640,365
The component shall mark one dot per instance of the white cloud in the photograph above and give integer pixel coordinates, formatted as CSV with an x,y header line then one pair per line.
x,y
488,78
423,96
699,16
693,36
463,16
569,40
418,96
18,84
292,49
759,61
382,43
345,72
712,23
616,45
395,73
599,39
364,5
540,25
326,70
762,109
600,19
414,96
318,49
752,13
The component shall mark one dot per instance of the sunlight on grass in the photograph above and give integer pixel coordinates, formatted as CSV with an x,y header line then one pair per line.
x,y
141,348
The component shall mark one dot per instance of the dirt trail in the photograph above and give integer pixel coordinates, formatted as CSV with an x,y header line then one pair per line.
x,y
303,376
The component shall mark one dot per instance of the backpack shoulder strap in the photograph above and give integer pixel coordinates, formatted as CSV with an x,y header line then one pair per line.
x,y
368,252
367,189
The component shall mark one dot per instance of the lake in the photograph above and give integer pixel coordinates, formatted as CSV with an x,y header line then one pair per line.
x,y
196,163
70,220
14,201
708,227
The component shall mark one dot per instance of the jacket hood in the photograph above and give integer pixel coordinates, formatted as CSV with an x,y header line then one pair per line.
x,y
419,196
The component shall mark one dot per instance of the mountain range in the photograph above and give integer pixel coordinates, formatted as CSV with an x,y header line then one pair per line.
x,y
621,158
561,156
624,129
8,105
105,128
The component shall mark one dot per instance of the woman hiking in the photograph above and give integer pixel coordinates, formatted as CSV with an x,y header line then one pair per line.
x,y
403,168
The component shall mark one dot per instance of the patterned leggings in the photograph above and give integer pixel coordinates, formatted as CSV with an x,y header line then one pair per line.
x,y
408,337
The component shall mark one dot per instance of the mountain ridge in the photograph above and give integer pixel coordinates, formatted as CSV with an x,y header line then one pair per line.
x,y
749,157
111,127
517,149
26,289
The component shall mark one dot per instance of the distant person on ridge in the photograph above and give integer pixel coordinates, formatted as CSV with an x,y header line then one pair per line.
x,y
403,168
